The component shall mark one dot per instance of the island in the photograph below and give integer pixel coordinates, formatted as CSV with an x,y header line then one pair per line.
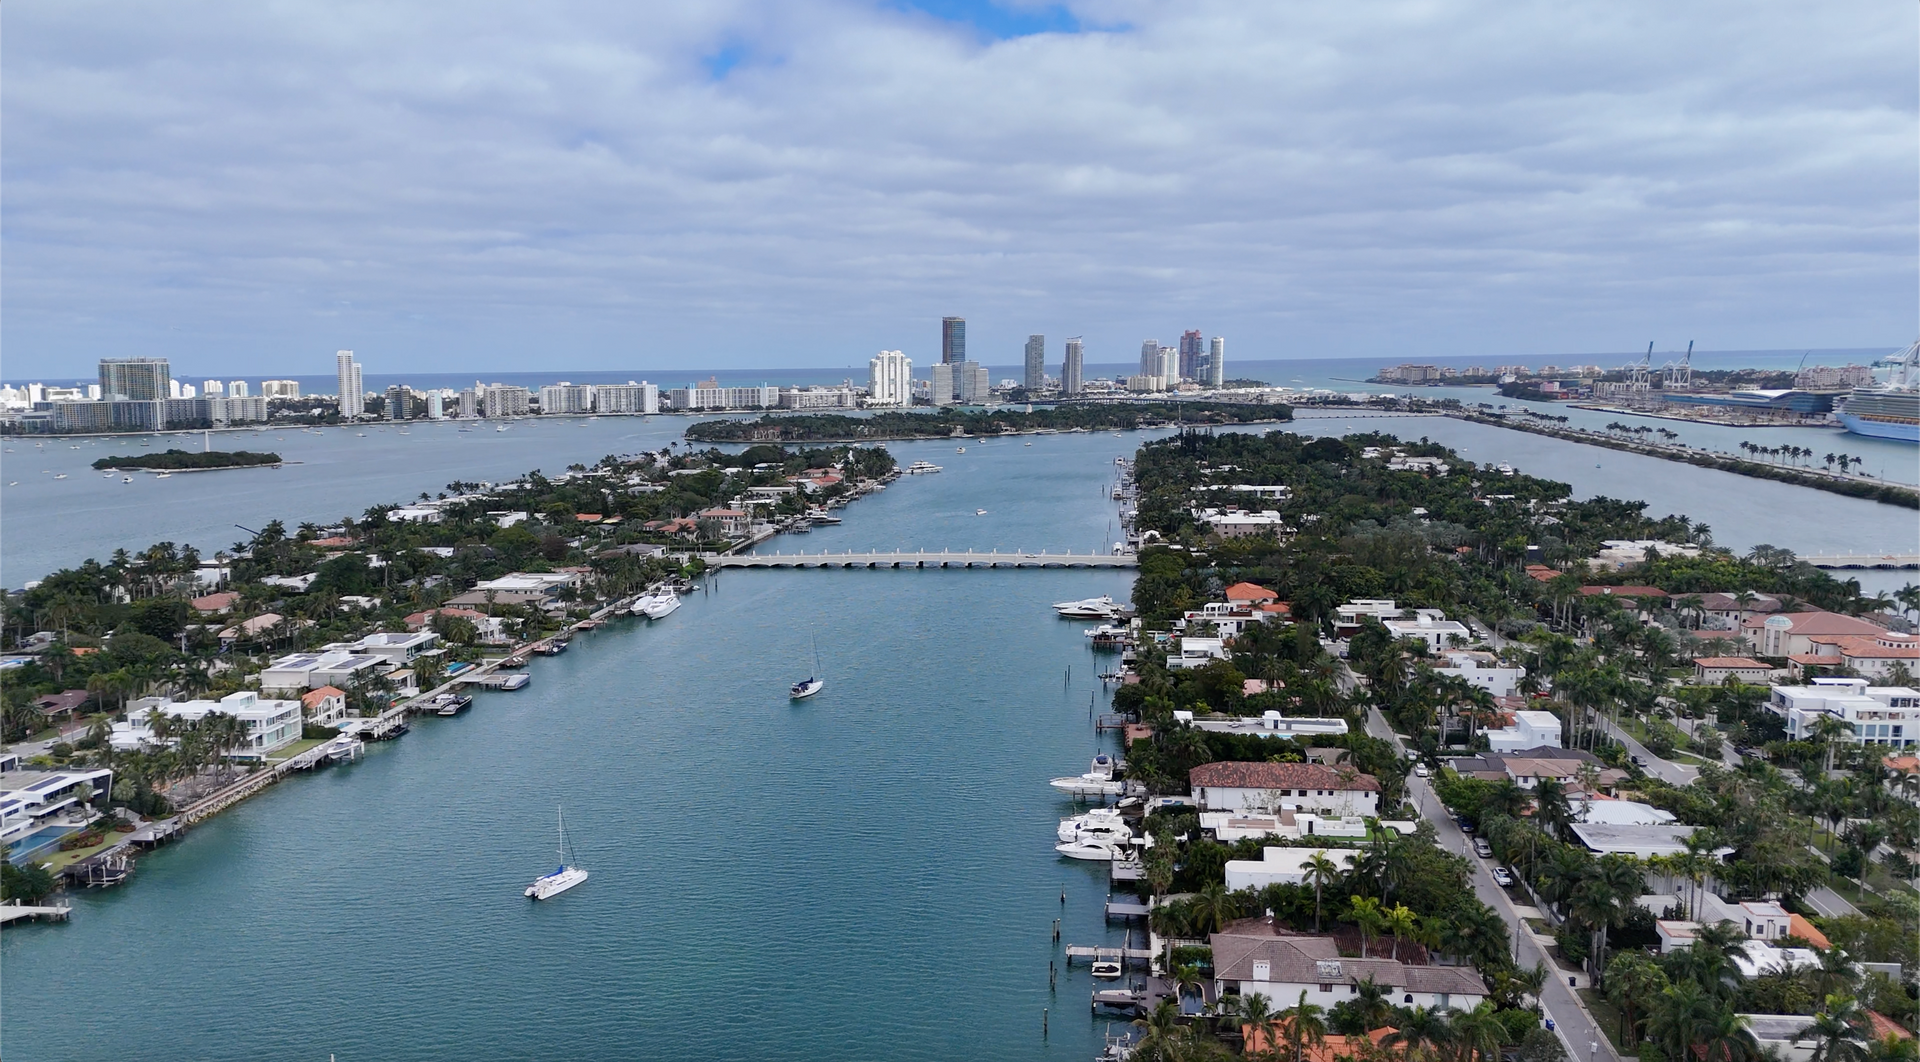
x,y
944,423
187,461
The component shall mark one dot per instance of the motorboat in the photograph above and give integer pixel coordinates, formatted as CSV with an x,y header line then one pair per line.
x,y
979,512
123,479
164,475
921,468
657,606
959,449
1100,824
1099,780
63,475
552,648
1107,630
1102,607
1097,851
451,704
515,681
564,877
1107,970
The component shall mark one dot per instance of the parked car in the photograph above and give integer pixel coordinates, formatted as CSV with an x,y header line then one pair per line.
x,y
1421,771
1639,761
1466,825
1501,877
1481,848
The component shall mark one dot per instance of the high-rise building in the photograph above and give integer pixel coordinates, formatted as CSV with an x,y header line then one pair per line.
x,y
566,397
1074,367
1166,365
1217,363
397,402
237,389
506,400
212,389
953,340
943,389
629,397
352,398
173,389
280,388
1149,357
134,379
1036,377
435,407
1192,352
469,403
890,379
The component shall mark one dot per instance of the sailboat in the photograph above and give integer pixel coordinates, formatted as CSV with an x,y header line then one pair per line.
x,y
563,878
813,683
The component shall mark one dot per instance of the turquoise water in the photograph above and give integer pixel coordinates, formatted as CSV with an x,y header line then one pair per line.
x,y
867,874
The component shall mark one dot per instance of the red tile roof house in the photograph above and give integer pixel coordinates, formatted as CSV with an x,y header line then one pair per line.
x,y
1792,633
325,706
1250,593
1713,670
1234,786
215,604
1871,657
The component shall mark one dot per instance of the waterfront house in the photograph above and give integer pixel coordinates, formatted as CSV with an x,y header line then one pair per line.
x,y
1197,652
491,629
39,808
1281,865
1871,656
1254,957
1249,594
324,706
304,671
539,590
732,522
271,724
1713,670
1877,715
1238,523
395,649
1316,787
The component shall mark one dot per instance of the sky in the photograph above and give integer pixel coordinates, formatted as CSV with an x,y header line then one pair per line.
x,y
245,187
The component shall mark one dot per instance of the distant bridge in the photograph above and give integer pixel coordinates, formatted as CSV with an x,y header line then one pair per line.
x,y
922,559
1865,560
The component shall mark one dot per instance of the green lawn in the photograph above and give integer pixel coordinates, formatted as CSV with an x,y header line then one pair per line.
x,y
1607,1017
61,860
296,749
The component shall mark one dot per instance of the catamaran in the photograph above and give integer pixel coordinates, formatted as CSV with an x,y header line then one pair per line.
x,y
565,877
813,683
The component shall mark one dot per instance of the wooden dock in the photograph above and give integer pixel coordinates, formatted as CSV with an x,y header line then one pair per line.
x,y
1124,909
921,559
1123,956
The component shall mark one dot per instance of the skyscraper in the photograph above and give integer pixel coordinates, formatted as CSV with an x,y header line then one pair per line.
x,y
1072,369
1149,356
953,340
397,402
352,398
237,389
1166,365
943,389
1217,363
1036,363
890,379
1192,352
134,379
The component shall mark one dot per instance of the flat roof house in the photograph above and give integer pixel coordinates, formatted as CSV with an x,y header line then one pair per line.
x,y
302,671
271,724
1879,715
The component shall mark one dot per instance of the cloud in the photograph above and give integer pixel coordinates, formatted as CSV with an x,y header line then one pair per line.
x,y
606,185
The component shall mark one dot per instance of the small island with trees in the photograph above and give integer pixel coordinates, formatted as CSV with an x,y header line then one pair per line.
x,y
187,461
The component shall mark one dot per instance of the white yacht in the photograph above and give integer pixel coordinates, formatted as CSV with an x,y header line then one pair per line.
x,y
1100,824
1102,607
1098,781
1101,851
1107,630
564,877
657,606
921,468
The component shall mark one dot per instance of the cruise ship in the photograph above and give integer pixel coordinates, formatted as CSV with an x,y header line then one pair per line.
x,y
1890,412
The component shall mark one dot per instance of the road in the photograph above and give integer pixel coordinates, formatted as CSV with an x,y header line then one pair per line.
x,y
1665,770
1571,1020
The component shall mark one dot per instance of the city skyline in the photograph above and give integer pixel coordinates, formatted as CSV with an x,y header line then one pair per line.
x,y
734,195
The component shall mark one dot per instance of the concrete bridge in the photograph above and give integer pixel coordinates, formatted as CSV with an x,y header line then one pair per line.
x,y
1865,560
922,559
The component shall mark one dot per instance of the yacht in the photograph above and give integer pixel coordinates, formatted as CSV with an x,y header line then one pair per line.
x,y
1102,607
1098,781
979,512
1102,851
451,704
1100,824
921,468
959,449
657,606
164,475
564,877
63,475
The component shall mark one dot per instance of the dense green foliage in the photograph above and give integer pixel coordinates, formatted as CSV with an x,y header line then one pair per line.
x,y
186,459
937,424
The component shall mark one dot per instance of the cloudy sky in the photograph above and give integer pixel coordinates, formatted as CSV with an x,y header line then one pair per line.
x,y
610,184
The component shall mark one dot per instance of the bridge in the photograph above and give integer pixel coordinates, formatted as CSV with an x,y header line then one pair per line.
x,y
1865,560
922,559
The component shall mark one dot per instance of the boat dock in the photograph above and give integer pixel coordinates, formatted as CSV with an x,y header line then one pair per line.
x,y
1124,956
1126,908
1863,560
14,911
921,559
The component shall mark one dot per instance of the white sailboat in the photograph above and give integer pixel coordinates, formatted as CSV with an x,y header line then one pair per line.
x,y
565,877
813,683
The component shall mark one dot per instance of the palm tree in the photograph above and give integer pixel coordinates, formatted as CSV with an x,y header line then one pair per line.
x,y
1550,797
1320,871
1305,1026
1835,1031
1401,922
1364,911
1253,1014
1479,1031
1419,1027
1370,1003
1213,908
1164,1036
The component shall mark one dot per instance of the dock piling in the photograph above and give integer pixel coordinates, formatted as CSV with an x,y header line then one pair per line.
x,y
1043,1022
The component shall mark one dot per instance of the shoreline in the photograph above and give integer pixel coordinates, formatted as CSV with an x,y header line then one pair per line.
x,y
1875,490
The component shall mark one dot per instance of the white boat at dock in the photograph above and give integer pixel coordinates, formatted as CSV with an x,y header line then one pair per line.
x,y
1100,780
1099,824
1102,607
658,605
921,468
565,877
1094,851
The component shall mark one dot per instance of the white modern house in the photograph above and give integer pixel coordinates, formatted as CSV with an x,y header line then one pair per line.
x,y
305,671
1480,670
396,649
39,808
1197,652
1879,715
1251,959
1315,787
271,724
1432,626
1530,730
1282,865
